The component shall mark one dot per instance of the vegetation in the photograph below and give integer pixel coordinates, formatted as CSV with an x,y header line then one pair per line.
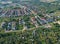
x,y
34,36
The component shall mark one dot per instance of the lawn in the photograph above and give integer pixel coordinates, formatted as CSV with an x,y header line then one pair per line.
x,y
57,13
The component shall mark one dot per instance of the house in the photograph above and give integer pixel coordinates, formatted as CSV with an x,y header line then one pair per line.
x,y
9,26
50,19
3,25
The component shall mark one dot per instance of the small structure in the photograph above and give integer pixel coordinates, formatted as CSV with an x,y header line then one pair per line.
x,y
3,25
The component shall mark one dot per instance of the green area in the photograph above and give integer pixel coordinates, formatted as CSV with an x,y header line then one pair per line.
x,y
34,36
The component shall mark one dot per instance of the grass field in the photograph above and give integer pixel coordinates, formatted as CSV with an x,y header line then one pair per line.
x,y
57,13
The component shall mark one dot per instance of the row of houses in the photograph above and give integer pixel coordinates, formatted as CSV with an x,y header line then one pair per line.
x,y
15,12
11,25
